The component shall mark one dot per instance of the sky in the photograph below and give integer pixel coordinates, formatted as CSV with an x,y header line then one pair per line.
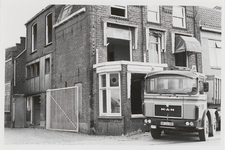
x,y
15,13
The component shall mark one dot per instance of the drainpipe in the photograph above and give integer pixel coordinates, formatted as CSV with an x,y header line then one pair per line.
x,y
91,53
194,23
142,27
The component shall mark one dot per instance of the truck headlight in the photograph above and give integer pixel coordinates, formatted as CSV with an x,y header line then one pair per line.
x,y
191,124
149,121
187,123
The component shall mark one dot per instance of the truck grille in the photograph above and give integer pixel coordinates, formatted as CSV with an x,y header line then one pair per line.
x,y
170,111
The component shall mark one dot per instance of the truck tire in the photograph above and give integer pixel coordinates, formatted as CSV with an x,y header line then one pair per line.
x,y
156,133
214,125
204,133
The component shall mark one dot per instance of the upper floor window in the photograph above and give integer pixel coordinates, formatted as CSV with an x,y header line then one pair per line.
x,y
33,70
153,13
47,65
119,10
179,17
48,28
155,45
215,53
34,37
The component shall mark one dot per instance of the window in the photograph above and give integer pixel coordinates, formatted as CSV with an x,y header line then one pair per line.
x,y
215,53
153,13
110,99
47,65
119,10
33,70
155,45
49,28
179,17
119,44
34,37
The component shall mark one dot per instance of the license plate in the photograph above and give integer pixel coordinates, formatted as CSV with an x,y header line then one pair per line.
x,y
167,123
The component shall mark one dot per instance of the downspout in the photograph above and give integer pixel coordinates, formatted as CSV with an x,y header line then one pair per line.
x,y
142,27
194,23
91,53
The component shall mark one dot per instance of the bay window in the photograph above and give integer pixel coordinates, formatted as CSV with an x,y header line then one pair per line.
x,y
110,99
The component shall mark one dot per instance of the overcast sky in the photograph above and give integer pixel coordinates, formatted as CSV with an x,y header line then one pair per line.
x,y
15,13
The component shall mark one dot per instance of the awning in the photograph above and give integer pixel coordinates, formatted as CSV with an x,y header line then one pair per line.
x,y
185,43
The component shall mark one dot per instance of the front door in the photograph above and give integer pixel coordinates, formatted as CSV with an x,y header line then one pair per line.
x,y
37,110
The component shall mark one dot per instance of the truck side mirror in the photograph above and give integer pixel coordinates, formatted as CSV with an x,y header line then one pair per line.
x,y
206,87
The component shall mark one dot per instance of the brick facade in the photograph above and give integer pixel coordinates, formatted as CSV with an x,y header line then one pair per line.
x,y
78,54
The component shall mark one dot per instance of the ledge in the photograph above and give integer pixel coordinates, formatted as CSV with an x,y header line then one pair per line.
x,y
110,117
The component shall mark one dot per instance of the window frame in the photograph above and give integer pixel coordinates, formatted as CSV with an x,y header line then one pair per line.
x,y
182,17
33,70
47,34
124,7
34,38
47,71
213,52
108,89
157,20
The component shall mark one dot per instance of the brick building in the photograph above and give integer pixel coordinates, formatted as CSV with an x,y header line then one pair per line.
x,y
14,82
100,55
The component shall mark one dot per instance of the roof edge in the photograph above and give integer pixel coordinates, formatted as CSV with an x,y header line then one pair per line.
x,y
40,12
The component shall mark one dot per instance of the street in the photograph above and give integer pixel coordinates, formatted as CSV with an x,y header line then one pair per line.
x,y
31,136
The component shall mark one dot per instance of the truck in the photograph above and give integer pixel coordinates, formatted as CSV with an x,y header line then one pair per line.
x,y
182,100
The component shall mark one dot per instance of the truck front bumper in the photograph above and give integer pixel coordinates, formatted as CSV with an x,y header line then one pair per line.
x,y
176,124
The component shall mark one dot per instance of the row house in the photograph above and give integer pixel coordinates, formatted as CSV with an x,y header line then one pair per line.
x,y
14,84
85,64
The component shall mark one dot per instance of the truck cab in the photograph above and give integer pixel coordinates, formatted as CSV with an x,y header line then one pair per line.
x,y
177,100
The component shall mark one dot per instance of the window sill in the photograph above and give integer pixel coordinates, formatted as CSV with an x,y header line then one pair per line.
x,y
110,117
33,52
180,28
214,67
156,23
48,44
138,116
118,17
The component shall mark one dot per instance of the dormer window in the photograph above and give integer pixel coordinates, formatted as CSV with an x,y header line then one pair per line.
x,y
119,10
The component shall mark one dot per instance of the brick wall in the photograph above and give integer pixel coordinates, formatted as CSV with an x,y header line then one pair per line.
x,y
71,64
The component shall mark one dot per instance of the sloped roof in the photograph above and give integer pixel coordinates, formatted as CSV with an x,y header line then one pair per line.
x,y
210,18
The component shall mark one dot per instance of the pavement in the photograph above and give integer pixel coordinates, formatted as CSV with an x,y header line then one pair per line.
x,y
33,136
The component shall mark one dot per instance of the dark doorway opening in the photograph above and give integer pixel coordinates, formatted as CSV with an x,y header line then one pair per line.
x,y
137,93
37,110
118,49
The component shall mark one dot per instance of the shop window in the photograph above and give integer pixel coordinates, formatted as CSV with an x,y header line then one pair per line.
x,y
153,13
215,54
34,37
119,10
179,17
49,28
110,99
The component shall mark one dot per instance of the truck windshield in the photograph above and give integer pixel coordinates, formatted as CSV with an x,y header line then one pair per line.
x,y
171,84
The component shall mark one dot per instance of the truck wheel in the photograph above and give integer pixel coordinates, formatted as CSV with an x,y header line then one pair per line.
x,y
214,125
204,134
156,133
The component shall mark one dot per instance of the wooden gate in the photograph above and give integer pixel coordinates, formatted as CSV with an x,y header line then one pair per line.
x,y
62,109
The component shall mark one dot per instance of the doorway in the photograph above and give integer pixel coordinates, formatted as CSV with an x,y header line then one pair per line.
x,y
37,110
137,93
